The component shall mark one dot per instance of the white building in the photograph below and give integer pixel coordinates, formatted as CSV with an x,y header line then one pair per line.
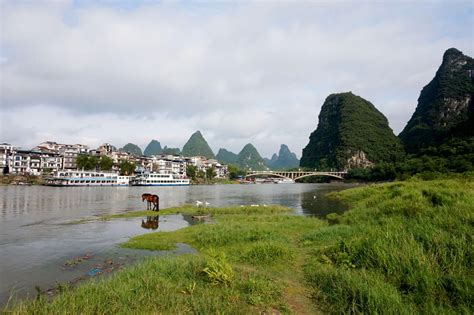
x,y
68,152
203,164
6,151
34,162
166,164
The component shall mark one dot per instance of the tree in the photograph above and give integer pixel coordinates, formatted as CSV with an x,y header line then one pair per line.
x,y
211,172
106,163
235,172
86,162
127,168
191,171
200,174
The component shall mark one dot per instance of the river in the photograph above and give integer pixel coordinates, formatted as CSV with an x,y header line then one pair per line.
x,y
39,248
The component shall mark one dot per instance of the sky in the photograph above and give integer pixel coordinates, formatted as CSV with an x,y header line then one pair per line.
x,y
241,72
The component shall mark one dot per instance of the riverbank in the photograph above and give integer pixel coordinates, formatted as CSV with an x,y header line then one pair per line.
x,y
404,247
20,179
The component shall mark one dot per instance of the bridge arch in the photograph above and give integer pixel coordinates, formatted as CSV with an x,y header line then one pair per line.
x,y
319,174
265,173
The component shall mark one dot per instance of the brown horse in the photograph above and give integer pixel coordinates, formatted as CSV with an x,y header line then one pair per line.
x,y
152,200
151,222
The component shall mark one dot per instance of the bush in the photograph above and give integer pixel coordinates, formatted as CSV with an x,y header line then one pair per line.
x,y
217,269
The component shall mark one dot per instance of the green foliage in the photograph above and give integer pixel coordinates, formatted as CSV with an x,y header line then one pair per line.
x,y
442,111
197,146
171,151
455,155
284,160
191,171
132,149
200,174
267,253
87,162
153,148
210,172
226,157
235,172
249,158
105,163
349,124
218,270
262,290
127,168
406,247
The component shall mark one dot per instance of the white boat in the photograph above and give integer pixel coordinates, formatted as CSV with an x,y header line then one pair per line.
x,y
86,178
155,179
285,181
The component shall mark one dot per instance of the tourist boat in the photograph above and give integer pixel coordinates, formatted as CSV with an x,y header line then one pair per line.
x,y
86,178
155,179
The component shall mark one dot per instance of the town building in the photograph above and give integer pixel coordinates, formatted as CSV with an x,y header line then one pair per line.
x,y
6,151
34,162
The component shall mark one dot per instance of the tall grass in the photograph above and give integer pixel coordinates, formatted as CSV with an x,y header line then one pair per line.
x,y
412,251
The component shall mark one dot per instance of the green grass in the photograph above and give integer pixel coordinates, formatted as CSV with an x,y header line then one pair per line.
x,y
403,248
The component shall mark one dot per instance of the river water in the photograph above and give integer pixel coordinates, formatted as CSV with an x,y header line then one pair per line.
x,y
39,248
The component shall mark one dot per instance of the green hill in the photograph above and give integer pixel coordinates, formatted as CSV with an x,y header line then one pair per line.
x,y
132,149
445,108
351,133
284,160
249,158
153,148
172,151
197,146
226,157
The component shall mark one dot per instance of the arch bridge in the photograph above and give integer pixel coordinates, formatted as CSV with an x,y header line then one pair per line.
x,y
296,175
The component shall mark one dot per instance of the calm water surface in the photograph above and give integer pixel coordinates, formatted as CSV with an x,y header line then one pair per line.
x,y
36,241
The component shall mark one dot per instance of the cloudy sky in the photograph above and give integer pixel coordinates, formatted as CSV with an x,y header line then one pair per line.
x,y
131,71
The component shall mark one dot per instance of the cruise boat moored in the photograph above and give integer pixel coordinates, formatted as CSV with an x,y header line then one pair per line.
x,y
155,179
86,178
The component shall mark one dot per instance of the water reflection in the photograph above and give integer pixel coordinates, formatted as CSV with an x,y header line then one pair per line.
x,y
152,222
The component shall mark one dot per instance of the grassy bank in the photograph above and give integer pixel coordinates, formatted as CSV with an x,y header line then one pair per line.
x,y
403,248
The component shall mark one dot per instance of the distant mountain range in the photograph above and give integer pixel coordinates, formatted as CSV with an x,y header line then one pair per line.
x,y
285,159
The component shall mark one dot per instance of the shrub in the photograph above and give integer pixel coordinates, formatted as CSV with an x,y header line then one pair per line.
x,y
217,269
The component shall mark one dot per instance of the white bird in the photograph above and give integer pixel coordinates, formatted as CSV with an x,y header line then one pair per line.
x,y
314,197
254,205
264,205
206,204
198,203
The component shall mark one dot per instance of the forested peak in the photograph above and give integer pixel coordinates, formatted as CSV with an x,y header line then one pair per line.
x,y
132,148
197,146
351,132
153,148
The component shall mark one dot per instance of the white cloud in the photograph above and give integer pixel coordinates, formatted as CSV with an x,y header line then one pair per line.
x,y
254,72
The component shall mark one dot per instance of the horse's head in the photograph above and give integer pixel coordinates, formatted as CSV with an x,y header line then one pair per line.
x,y
145,196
